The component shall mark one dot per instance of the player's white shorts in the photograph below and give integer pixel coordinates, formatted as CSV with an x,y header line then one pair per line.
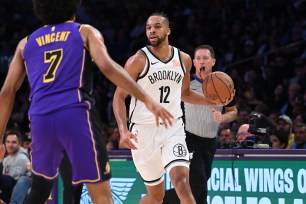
x,y
159,149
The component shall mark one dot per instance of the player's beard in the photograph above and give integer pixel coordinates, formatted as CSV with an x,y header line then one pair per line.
x,y
158,42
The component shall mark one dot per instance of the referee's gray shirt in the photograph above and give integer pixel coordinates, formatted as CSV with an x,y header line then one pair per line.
x,y
199,119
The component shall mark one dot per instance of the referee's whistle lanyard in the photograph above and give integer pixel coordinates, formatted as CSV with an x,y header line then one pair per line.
x,y
202,69
197,78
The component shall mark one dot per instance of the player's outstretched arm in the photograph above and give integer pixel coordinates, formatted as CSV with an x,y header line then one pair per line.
x,y
13,81
119,108
93,40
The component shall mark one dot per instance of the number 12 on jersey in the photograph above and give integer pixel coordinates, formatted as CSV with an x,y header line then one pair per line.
x,y
164,93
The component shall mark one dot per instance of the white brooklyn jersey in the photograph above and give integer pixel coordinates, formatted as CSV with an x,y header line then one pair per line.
x,y
199,119
162,81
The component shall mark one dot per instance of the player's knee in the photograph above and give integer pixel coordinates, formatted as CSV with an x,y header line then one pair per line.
x,y
181,183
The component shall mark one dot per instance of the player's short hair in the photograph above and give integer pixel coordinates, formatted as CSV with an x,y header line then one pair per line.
x,y
55,11
208,47
161,14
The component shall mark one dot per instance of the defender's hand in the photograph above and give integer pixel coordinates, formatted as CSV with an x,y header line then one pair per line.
x,y
160,112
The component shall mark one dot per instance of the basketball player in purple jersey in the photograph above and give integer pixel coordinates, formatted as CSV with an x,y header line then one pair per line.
x,y
62,114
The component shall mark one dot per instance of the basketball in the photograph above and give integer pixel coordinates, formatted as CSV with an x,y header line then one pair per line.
x,y
217,87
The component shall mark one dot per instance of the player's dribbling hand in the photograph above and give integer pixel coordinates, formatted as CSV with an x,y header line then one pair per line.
x,y
160,112
126,140
227,101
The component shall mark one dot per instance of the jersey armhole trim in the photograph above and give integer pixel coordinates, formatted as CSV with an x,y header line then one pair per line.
x,y
131,115
181,61
146,69
80,28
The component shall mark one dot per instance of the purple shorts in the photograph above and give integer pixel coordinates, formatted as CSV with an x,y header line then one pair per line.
x,y
77,131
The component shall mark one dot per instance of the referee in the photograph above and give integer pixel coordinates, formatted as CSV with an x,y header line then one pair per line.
x,y
201,125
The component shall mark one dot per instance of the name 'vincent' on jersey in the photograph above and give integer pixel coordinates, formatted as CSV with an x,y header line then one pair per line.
x,y
52,37
58,68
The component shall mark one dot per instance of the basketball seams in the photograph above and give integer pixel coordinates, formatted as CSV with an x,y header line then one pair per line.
x,y
205,86
226,85
212,81
219,89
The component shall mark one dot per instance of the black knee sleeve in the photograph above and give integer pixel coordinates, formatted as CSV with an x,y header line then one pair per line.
x,y
40,190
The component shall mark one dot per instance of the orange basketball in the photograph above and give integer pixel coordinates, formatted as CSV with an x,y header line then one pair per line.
x,y
217,87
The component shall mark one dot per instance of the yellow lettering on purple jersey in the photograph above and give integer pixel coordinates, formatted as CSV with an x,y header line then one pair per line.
x,y
53,37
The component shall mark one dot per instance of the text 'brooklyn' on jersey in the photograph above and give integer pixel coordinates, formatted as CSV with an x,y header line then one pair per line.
x,y
55,59
162,81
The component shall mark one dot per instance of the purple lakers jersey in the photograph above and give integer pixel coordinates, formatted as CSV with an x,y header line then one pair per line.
x,y
55,61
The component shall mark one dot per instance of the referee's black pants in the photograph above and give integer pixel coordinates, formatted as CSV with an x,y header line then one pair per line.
x,y
202,151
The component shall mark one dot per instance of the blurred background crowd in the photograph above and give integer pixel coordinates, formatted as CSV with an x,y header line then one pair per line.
x,y
259,43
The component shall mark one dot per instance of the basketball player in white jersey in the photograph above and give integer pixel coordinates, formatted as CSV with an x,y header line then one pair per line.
x,y
163,72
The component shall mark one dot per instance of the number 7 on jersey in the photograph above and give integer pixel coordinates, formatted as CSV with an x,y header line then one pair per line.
x,y
54,57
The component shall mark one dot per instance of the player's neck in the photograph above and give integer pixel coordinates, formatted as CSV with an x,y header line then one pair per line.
x,y
162,51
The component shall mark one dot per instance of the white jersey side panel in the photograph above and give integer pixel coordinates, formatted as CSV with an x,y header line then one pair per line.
x,y
163,82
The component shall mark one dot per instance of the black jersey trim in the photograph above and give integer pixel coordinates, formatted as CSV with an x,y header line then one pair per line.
x,y
131,126
165,62
146,70
153,181
181,61
176,160
80,28
131,115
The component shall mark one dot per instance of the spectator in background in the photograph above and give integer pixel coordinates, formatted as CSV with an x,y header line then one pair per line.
x,y
247,140
279,97
113,140
299,118
299,137
26,142
294,97
17,165
279,139
243,134
243,115
284,122
225,137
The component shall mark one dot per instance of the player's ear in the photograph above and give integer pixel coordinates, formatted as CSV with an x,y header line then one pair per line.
x,y
213,62
168,31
